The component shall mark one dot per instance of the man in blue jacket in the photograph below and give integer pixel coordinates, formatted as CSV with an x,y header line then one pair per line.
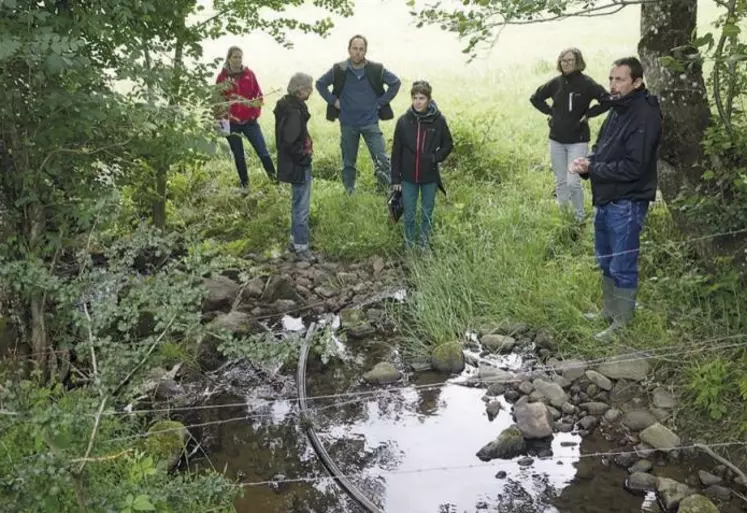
x,y
359,99
622,170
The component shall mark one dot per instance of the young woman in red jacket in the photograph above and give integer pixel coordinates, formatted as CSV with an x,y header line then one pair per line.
x,y
244,100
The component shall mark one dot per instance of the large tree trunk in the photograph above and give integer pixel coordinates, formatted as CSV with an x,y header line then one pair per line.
x,y
665,25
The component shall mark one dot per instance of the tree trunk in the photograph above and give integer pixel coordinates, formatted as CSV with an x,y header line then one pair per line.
x,y
35,229
665,25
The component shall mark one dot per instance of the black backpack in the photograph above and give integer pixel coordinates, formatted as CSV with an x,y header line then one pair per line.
x,y
374,74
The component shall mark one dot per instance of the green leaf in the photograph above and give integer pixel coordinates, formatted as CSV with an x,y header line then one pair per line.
x,y
142,503
731,30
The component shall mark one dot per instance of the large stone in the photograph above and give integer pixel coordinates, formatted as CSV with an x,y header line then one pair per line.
x,y
499,343
383,373
660,437
601,381
571,369
624,391
280,287
595,408
664,399
709,479
640,482
638,420
632,369
533,420
253,288
221,292
448,358
490,374
671,492
552,391
165,442
238,323
509,444
697,504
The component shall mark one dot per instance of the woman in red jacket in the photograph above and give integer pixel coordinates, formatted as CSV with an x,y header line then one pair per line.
x,y
244,98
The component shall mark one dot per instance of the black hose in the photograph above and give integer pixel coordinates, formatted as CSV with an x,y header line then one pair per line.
x,y
316,443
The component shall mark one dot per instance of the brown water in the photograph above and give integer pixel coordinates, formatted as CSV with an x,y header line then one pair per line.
x,y
411,450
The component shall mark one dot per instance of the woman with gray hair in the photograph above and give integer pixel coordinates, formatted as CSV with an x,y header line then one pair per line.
x,y
295,151
572,92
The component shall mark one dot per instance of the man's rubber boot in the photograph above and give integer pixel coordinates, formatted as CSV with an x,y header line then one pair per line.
x,y
624,305
608,286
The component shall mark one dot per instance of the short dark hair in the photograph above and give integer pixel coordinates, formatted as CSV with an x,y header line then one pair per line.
x,y
358,36
636,68
580,64
421,87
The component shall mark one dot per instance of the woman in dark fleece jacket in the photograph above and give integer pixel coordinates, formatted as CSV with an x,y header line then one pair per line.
x,y
422,140
572,92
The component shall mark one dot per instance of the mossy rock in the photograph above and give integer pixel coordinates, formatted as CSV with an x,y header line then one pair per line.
x,y
165,442
448,357
697,504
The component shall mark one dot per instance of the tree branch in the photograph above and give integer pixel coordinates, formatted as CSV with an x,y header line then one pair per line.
x,y
589,12
722,460
92,438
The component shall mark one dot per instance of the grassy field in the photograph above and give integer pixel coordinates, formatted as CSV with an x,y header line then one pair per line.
x,y
502,251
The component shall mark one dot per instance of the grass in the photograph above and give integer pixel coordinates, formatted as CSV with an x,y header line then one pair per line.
x,y
502,251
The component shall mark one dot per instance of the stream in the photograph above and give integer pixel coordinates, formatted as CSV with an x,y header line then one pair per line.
x,y
410,447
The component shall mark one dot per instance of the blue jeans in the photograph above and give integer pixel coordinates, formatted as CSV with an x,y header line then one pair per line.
x,y
253,131
300,205
617,230
349,142
410,192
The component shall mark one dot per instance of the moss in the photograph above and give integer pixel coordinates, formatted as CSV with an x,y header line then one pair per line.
x,y
448,357
165,442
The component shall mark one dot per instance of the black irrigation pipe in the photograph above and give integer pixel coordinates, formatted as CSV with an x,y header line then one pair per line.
x,y
316,443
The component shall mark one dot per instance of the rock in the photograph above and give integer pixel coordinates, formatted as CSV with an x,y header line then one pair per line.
x,y
493,409
567,408
660,437
347,278
708,479
638,420
671,493
495,390
490,374
595,408
625,460
221,292
526,388
635,370
664,399
361,330
623,391
511,396
554,413
601,381
552,391
499,343
612,415
284,305
525,461
350,317
448,358
537,397
644,451
697,504
501,474
571,369
509,444
561,381
641,466
588,422
168,389
544,340
719,493
280,287
253,288
592,390
533,420
165,442
378,265
640,482
325,292
383,373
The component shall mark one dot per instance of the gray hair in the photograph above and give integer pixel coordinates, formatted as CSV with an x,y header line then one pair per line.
x,y
299,81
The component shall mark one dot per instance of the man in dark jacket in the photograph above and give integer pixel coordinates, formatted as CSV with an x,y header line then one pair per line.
x,y
422,140
622,170
294,147
359,99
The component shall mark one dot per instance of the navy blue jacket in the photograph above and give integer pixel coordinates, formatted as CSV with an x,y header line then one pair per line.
x,y
623,160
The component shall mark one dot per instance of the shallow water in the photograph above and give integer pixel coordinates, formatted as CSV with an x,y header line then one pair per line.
x,y
411,448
